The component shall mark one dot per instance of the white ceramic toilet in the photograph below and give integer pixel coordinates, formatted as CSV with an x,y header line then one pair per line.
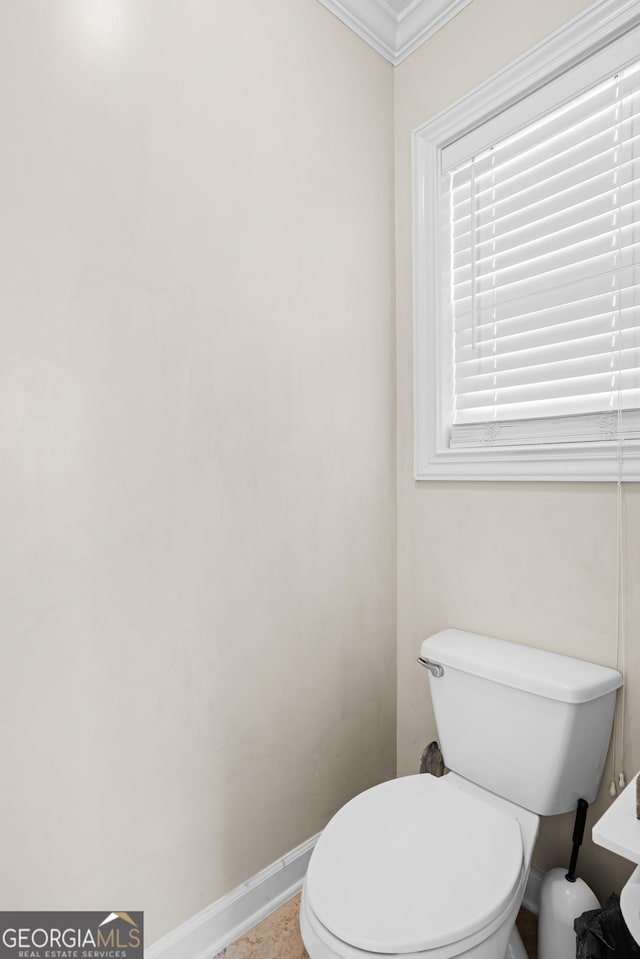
x,y
430,868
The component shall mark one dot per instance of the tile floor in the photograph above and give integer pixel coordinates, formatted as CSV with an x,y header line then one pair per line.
x,y
278,936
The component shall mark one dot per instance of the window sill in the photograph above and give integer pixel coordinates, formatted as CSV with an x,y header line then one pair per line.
x,y
587,463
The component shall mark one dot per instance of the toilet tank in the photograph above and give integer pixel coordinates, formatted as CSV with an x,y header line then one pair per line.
x,y
528,725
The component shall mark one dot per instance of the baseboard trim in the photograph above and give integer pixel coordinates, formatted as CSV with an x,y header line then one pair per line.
x,y
531,899
218,925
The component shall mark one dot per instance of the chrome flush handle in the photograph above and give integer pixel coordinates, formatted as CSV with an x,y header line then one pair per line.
x,y
434,668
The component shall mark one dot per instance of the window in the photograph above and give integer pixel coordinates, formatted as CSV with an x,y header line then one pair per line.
x,y
528,268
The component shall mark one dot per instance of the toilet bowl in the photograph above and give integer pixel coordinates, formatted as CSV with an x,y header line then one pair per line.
x,y
432,868
418,867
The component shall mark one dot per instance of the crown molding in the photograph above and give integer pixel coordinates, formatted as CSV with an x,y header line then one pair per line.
x,y
394,34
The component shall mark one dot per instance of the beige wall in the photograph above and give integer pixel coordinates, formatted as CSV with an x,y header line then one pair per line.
x,y
196,439
529,562
197,486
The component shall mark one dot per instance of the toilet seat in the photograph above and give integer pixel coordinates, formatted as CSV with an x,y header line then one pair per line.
x,y
322,944
414,864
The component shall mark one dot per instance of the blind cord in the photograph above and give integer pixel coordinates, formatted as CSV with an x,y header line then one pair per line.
x,y
621,652
621,624
620,579
474,319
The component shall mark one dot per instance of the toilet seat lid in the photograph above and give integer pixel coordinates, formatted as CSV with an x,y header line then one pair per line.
x,y
413,864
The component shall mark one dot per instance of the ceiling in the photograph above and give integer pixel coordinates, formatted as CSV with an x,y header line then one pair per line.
x,y
395,27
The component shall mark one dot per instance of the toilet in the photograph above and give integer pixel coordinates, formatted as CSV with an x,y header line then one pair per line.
x,y
430,868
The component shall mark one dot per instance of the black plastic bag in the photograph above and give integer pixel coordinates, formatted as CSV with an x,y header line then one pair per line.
x,y
602,933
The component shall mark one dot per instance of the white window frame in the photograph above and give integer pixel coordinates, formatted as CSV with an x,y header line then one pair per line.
x,y
598,25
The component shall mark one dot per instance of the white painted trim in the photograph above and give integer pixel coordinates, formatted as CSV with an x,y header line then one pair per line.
x,y
576,39
531,899
403,12
421,22
212,930
370,21
394,35
599,24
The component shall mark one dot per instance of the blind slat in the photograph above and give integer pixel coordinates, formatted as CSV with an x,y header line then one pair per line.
x,y
590,113
520,359
490,256
558,406
585,160
544,375
571,186
504,236
560,280
575,386
552,307
493,272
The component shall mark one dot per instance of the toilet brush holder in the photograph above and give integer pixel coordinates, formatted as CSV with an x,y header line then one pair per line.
x,y
561,902
564,897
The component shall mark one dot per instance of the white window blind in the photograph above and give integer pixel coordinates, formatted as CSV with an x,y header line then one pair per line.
x,y
541,267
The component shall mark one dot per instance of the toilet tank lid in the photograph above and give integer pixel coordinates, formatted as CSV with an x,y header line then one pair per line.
x,y
533,670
